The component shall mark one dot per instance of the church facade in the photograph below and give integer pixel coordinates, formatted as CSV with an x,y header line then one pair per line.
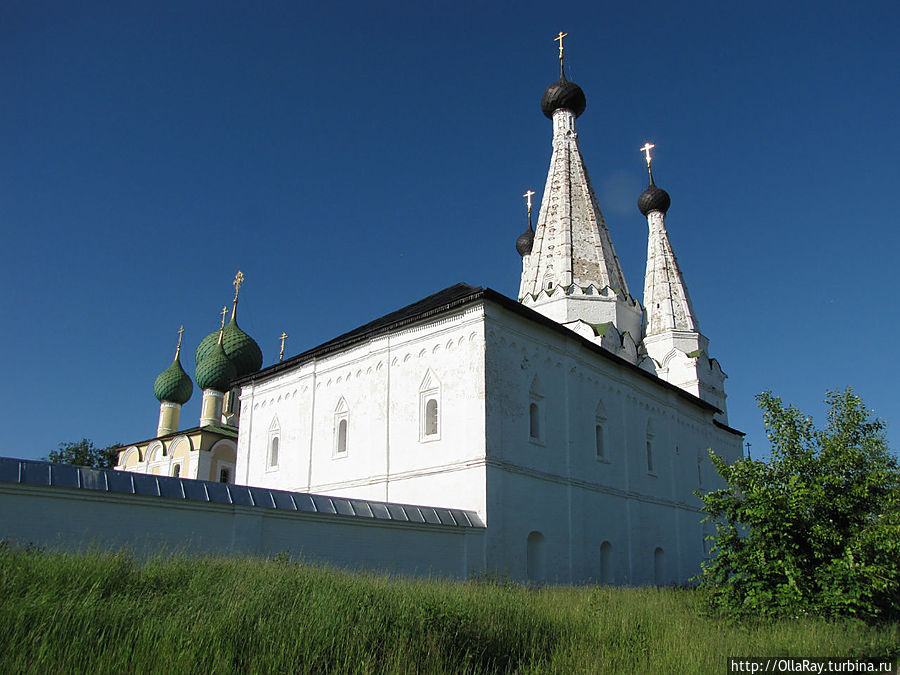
x,y
575,420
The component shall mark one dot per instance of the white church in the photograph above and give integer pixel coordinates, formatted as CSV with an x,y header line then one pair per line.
x,y
560,434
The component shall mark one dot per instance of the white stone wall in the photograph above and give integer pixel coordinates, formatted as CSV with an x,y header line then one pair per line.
x,y
598,519
67,519
556,485
377,387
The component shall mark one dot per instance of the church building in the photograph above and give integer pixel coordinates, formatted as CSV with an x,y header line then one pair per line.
x,y
574,420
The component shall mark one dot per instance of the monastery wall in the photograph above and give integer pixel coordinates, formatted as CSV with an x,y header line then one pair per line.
x,y
60,518
592,457
380,390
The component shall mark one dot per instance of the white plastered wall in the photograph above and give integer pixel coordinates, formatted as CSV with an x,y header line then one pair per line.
x,y
376,386
557,486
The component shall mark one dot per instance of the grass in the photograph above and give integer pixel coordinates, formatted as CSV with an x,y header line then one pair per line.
x,y
108,613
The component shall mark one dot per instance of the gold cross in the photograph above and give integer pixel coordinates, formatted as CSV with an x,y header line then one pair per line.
x,y
527,196
178,348
238,280
559,39
283,338
646,151
223,313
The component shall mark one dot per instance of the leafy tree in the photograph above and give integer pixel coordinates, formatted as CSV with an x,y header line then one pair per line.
x,y
816,528
84,453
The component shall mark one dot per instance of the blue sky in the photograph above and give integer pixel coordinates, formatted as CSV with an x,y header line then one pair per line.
x,y
352,158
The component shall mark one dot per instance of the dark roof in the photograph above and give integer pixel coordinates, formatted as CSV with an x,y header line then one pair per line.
x,y
67,476
730,430
444,301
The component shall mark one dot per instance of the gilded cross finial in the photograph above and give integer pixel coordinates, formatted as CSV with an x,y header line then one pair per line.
x,y
284,337
178,348
646,150
238,280
559,39
223,313
527,196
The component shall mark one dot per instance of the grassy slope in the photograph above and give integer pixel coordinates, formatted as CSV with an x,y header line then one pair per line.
x,y
108,613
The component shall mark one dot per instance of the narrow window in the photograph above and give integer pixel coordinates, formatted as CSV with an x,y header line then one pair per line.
x,y
649,455
273,451
430,407
605,563
659,567
274,444
534,415
342,437
599,432
535,558
431,417
224,475
176,470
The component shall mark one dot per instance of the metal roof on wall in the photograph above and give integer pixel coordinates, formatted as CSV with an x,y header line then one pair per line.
x,y
50,474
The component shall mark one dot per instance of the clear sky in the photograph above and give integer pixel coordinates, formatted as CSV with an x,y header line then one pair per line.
x,y
353,157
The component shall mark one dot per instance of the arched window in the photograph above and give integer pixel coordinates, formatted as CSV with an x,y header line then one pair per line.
x,y
659,569
274,444
341,428
605,563
600,433
431,417
534,416
650,446
429,407
176,470
342,437
224,475
535,553
273,451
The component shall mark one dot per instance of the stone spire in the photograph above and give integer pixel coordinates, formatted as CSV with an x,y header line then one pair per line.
x,y
666,300
572,272
675,348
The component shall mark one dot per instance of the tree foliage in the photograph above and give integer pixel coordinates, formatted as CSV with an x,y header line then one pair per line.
x,y
815,528
84,453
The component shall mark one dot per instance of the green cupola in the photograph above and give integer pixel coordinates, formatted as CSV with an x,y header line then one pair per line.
x,y
173,384
173,388
215,371
239,347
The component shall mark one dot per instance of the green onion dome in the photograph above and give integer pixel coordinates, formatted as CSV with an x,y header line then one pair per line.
x,y
206,346
215,370
242,349
239,347
173,384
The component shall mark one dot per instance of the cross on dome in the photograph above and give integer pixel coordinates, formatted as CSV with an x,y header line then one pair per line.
x,y
284,337
238,280
527,196
559,38
178,348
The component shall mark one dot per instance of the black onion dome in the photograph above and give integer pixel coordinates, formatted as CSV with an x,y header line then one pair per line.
x,y
563,94
654,199
525,242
